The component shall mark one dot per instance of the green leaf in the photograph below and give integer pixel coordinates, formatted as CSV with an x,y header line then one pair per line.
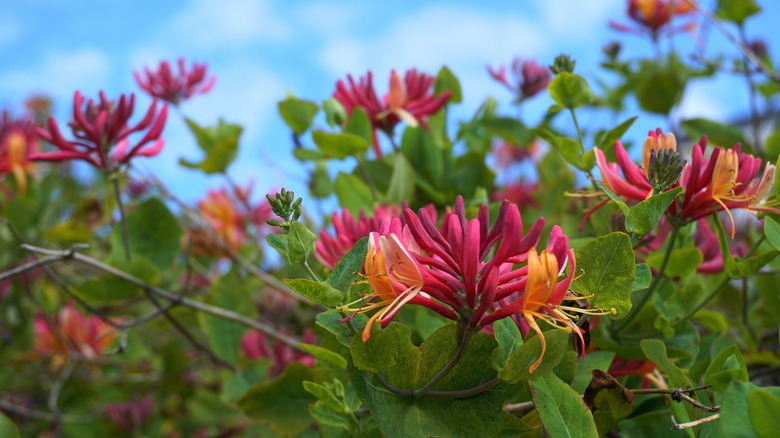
x,y
326,415
608,400
435,416
772,232
618,200
570,90
353,193
320,184
643,277
279,243
298,114
569,149
423,154
402,182
340,145
347,270
742,268
328,394
608,270
682,261
379,352
326,356
717,133
224,336
674,304
283,403
655,351
219,143
335,114
643,217
737,11
331,321
470,173
726,367
300,242
615,134
764,407
734,414
7,427
561,409
659,87
318,292
509,338
772,146
518,364
360,125
108,287
509,129
447,81
154,233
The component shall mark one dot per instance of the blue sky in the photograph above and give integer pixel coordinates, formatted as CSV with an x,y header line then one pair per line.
x,y
262,50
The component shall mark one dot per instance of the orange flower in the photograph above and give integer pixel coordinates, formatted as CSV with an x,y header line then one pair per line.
x,y
72,331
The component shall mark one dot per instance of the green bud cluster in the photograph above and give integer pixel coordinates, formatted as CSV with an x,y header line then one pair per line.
x,y
285,206
563,63
664,168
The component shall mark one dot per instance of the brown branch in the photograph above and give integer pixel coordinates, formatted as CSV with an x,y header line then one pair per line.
x,y
678,426
749,54
269,330
46,416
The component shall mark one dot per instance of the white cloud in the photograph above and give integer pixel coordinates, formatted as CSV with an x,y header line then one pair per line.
x,y
212,24
60,74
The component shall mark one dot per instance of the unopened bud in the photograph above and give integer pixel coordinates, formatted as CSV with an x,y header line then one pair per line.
x,y
563,63
664,168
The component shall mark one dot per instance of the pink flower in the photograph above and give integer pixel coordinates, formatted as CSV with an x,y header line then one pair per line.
x,y
255,345
101,126
347,231
131,415
409,99
174,87
520,193
219,209
466,270
18,143
529,78
728,179
72,331
654,15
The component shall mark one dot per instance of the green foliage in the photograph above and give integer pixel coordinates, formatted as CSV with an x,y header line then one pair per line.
x,y
340,145
717,133
570,90
7,427
570,150
402,182
561,409
154,234
609,271
219,143
447,81
737,11
318,292
298,114
108,287
517,365
353,193
742,268
224,336
283,403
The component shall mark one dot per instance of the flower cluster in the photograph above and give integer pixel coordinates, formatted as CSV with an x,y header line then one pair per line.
x,y
131,415
72,331
174,87
728,179
18,142
469,272
101,132
529,78
409,100
654,15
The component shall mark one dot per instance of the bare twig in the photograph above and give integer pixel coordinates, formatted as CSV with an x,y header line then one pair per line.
x,y
197,305
54,395
678,426
749,54
46,416
32,264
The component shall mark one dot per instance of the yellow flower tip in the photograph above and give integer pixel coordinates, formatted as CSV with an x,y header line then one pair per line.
x,y
613,311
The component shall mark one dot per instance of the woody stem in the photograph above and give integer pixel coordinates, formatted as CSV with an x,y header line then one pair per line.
x,y
656,280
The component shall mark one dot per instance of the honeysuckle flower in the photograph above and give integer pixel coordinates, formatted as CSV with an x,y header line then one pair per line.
x,y
101,133
220,211
508,154
466,270
132,414
18,142
654,15
409,100
520,193
255,345
175,87
72,331
529,78
728,179
347,231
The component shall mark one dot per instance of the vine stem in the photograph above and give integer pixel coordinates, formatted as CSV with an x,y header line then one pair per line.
x,y
464,344
579,131
656,280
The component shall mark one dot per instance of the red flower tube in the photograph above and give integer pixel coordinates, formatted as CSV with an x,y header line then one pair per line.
x,y
175,87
